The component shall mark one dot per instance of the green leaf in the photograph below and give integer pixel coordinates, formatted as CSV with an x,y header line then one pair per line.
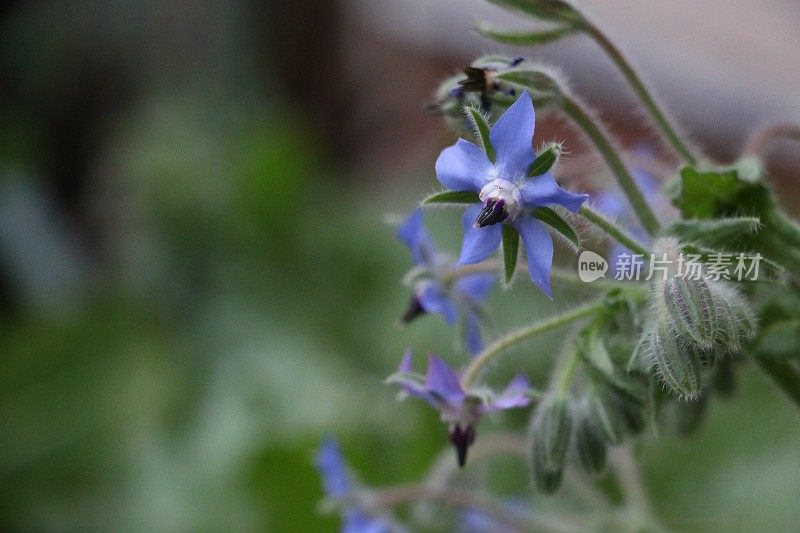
x,y
555,221
548,157
510,251
523,38
482,130
714,232
452,197
708,194
737,192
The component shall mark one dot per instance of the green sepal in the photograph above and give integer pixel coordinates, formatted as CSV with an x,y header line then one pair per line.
x,y
546,159
523,38
510,251
714,232
481,126
550,432
542,84
557,222
452,197
591,445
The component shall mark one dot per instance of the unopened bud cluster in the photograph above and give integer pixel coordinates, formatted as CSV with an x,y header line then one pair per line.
x,y
694,322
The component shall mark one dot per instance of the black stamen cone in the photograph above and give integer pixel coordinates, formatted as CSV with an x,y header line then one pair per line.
x,y
493,211
476,79
462,439
414,310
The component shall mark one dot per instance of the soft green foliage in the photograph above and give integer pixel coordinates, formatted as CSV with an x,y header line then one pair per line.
x,y
523,38
452,197
510,252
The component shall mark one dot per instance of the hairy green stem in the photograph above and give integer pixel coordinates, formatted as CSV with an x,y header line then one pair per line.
x,y
491,352
456,497
567,372
613,231
630,480
576,111
784,374
642,93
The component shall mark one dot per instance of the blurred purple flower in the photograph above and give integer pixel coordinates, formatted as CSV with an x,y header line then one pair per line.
x,y
460,409
506,191
435,290
614,204
479,521
338,486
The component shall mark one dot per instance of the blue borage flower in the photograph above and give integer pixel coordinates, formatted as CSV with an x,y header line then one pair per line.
x,y
339,486
460,409
506,191
435,290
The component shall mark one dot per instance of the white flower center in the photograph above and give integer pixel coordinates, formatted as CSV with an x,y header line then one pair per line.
x,y
500,190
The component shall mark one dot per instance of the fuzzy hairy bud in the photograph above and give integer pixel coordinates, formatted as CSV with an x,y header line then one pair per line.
x,y
550,432
591,445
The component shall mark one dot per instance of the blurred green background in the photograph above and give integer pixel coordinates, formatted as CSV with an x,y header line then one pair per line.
x,y
198,284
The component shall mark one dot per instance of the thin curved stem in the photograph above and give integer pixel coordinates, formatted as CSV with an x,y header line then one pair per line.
x,y
630,480
567,372
394,496
642,92
600,139
613,231
491,352
500,443
761,139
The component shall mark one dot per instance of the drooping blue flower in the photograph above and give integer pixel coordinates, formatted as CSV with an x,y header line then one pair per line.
x,y
506,191
339,486
436,290
460,409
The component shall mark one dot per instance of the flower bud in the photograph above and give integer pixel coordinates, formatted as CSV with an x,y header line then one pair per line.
x,y
591,445
552,425
691,311
736,321
548,157
677,364
616,414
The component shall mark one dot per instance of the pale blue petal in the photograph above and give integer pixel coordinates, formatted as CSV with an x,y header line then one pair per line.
x,y
358,521
539,248
405,364
335,478
412,233
476,286
463,167
411,385
543,190
512,137
433,299
516,394
479,243
473,334
442,381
